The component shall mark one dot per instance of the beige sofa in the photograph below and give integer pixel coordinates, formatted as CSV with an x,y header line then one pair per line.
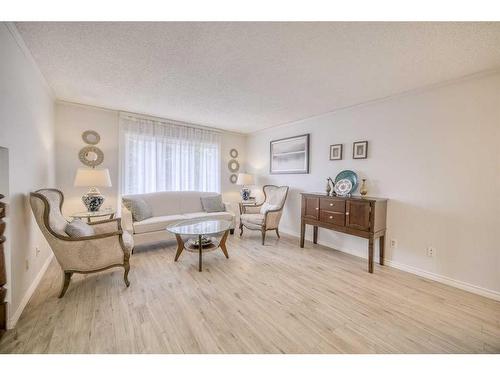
x,y
171,207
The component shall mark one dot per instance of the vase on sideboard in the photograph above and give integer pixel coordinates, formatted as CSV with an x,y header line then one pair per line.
x,y
363,190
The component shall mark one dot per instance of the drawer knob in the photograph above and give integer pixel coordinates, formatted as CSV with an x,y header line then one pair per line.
x,y
331,204
331,217
347,213
317,208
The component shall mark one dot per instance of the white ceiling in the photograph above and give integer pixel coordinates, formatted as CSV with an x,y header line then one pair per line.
x,y
249,76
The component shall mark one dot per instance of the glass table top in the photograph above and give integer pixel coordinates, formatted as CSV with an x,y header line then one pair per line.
x,y
196,227
103,212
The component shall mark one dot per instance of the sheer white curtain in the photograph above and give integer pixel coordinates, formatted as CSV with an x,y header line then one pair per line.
x,y
160,156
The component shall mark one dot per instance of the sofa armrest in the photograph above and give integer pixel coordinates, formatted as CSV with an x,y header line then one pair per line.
x,y
127,221
231,207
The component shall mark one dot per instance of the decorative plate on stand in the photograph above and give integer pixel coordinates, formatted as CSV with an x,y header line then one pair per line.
x,y
343,187
346,182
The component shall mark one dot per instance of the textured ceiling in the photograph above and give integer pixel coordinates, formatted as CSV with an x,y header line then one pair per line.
x,y
249,76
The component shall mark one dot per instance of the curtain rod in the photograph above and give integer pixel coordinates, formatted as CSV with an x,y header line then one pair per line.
x,y
176,122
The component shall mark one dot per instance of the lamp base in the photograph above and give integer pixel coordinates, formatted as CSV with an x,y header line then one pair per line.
x,y
93,200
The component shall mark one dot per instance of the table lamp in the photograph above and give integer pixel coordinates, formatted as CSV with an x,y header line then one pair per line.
x,y
93,178
244,179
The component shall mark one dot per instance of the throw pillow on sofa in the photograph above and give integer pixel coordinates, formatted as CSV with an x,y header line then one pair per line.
x,y
138,207
213,204
78,228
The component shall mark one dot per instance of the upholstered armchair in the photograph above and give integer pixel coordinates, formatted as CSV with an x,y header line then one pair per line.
x,y
267,215
109,247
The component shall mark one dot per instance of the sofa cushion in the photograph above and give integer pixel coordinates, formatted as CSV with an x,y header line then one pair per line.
x,y
157,223
256,219
78,228
166,203
213,203
210,215
138,207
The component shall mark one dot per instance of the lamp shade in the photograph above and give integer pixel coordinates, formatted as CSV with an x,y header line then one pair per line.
x,y
87,177
244,179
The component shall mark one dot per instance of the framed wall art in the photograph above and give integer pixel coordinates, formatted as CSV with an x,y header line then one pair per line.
x,y
289,155
336,152
360,150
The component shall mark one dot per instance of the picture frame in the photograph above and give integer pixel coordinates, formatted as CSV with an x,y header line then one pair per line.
x,y
360,150
289,155
336,152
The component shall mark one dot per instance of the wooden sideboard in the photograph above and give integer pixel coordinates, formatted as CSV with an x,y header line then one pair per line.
x,y
359,216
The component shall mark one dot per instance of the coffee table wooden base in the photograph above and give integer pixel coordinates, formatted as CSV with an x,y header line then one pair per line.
x,y
181,246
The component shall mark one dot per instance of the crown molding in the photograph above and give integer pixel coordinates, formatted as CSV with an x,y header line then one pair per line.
x,y
126,114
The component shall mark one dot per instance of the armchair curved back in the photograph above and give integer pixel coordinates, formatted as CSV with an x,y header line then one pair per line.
x,y
275,195
46,205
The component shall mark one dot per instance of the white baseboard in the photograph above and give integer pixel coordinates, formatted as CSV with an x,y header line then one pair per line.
x,y
12,321
446,280
422,273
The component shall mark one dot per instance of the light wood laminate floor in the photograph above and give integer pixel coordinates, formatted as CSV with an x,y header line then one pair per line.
x,y
275,298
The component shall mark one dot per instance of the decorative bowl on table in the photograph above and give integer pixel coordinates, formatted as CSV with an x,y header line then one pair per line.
x,y
205,241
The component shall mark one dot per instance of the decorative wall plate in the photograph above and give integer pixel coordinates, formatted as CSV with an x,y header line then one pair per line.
x,y
343,187
351,176
233,178
233,166
91,137
91,156
233,153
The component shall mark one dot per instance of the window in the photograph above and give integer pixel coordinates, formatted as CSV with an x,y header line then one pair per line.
x,y
159,156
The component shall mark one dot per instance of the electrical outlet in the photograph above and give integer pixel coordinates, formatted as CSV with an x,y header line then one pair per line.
x,y
37,251
27,264
394,243
431,251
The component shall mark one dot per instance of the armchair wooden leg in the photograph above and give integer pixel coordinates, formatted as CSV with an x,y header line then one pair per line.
x,y
231,231
67,279
278,233
125,274
263,236
241,230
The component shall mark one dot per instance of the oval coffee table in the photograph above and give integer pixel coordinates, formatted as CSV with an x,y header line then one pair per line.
x,y
200,229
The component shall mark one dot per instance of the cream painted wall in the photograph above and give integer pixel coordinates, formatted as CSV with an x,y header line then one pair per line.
x,y
73,119
27,131
435,154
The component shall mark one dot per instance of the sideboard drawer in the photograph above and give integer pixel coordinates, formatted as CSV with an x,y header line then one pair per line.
x,y
337,218
330,204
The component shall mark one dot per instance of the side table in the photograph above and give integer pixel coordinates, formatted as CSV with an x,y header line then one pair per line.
x,y
94,214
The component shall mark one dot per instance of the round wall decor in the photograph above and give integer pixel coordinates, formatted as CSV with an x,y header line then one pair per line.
x,y
233,153
91,156
91,137
233,166
233,178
